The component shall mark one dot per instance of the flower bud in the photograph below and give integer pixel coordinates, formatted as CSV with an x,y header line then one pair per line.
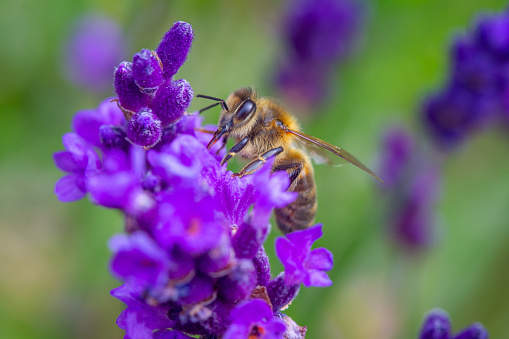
x,y
174,47
129,94
171,100
144,128
147,71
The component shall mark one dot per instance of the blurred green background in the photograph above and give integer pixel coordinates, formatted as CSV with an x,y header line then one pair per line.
x,y
54,280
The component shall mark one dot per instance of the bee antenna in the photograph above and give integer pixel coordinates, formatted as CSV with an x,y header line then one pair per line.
x,y
206,108
220,101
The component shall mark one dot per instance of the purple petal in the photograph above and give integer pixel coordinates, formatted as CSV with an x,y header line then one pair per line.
x,y
252,311
305,238
317,278
110,113
76,145
320,259
113,191
68,189
66,162
86,124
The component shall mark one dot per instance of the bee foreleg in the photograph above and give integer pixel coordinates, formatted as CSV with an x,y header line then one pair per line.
x,y
294,168
255,164
234,150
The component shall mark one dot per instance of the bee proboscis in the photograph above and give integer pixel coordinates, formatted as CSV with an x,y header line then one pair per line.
x,y
263,129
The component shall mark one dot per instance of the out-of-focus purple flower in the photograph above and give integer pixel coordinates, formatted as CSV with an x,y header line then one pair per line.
x,y
452,116
413,218
491,34
80,161
254,319
95,47
303,265
475,331
438,326
317,34
476,91
322,30
411,189
395,156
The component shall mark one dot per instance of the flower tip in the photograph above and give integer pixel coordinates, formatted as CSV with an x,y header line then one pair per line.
x,y
174,47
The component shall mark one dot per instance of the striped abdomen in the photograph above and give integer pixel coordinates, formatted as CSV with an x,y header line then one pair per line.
x,y
300,213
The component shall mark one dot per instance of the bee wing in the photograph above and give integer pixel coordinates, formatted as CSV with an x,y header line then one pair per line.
x,y
317,147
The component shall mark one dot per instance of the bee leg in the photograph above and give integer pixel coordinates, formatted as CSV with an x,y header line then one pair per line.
x,y
255,164
234,150
294,168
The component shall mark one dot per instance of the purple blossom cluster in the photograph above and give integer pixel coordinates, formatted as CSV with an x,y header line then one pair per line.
x,y
438,326
410,189
477,90
317,34
147,94
192,256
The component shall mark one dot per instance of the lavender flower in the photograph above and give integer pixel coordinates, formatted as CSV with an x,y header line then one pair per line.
x,y
146,85
437,326
301,264
411,189
192,259
317,34
95,47
475,94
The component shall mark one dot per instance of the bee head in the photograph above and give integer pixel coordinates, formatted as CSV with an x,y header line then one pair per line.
x,y
238,111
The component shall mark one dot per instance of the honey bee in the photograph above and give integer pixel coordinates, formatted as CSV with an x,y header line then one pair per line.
x,y
263,129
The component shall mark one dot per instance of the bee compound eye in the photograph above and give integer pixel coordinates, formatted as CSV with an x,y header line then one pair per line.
x,y
245,109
